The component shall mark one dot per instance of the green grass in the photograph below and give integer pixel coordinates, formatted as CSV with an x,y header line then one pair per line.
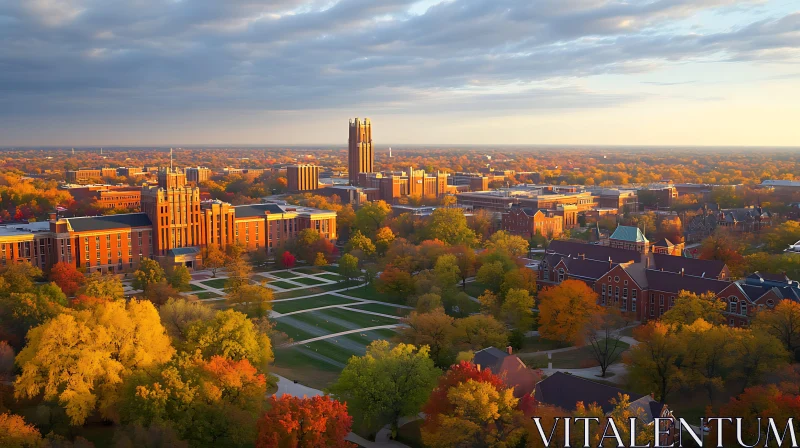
x,y
370,293
308,281
310,270
284,285
194,287
283,274
475,289
307,291
207,295
534,361
579,358
217,283
316,319
295,358
373,335
309,303
332,350
360,319
332,277
295,333
334,269
383,309
536,343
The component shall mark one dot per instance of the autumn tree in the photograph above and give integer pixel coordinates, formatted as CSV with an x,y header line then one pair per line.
x,y
255,300
67,277
107,287
782,236
467,261
689,307
15,433
320,260
566,312
287,260
19,311
758,353
605,340
469,408
480,331
149,273
754,404
348,267
18,277
783,322
178,277
80,357
383,239
653,363
450,226
178,314
6,360
522,278
517,309
514,245
428,302
723,247
386,383
304,423
707,358
361,243
213,259
238,271
370,217
434,329
213,402
491,274
447,274
232,335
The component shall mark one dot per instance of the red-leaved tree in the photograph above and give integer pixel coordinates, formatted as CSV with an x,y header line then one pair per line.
x,y
287,260
67,277
293,422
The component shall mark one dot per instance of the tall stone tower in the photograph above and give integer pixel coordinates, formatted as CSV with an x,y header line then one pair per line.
x,y
360,156
174,209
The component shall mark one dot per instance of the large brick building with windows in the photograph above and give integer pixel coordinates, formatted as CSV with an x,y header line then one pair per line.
x,y
174,226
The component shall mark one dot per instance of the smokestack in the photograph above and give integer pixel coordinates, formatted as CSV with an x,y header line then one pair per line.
x,y
610,263
509,349
681,272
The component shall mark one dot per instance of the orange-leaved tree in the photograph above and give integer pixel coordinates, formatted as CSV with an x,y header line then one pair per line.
x,y
566,312
304,423
67,277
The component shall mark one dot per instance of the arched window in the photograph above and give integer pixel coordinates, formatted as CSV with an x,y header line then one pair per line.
x,y
770,303
560,275
732,304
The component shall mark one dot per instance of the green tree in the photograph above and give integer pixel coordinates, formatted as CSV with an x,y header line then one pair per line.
x,y
149,273
759,353
517,309
480,331
178,314
370,216
19,277
107,287
491,274
782,236
361,242
783,322
255,300
447,274
348,267
232,335
514,245
434,330
387,383
450,226
654,363
179,277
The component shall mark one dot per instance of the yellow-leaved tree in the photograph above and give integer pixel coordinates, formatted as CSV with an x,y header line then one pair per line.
x,y
81,357
567,311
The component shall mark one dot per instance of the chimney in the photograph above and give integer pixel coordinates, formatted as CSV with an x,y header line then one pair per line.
x,y
647,263
52,216
681,272
610,264
509,349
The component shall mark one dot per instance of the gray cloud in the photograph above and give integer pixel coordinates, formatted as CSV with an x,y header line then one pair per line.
x,y
58,56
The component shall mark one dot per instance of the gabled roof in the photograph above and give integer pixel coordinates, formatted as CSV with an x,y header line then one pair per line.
x,y
690,266
628,233
108,222
663,242
593,251
565,391
254,210
184,251
489,358
585,268
675,283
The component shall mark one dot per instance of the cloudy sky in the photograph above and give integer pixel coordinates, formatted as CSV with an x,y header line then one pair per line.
x,y
639,72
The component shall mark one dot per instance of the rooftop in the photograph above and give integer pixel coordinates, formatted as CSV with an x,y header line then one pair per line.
x,y
24,228
90,223
628,233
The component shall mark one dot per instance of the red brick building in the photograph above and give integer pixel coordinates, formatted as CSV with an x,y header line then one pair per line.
x,y
526,222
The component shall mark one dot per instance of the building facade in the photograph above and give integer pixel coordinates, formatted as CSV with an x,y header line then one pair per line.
x,y
197,174
360,155
527,223
302,177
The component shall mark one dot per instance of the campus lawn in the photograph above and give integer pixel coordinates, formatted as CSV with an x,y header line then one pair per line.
x,y
196,288
308,281
310,270
206,295
331,349
383,309
307,291
475,289
283,285
217,283
283,274
360,319
331,277
317,319
536,344
309,303
370,293
579,358
295,333
367,337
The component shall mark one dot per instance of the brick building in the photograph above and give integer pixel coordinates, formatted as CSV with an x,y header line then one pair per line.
x,y
109,196
395,185
302,177
197,174
527,222
360,155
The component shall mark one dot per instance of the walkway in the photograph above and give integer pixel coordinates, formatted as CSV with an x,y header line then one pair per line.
x,y
342,333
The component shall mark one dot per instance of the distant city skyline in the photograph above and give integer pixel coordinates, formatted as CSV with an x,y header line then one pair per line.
x,y
487,72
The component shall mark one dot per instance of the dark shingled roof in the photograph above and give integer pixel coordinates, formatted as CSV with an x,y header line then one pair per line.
x,y
583,268
489,358
253,210
691,266
675,283
565,391
91,223
593,251
663,242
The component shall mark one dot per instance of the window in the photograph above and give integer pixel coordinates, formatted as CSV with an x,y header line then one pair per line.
x,y
560,275
770,303
616,279
661,299
626,283
732,304
609,279
652,299
624,293
633,294
633,304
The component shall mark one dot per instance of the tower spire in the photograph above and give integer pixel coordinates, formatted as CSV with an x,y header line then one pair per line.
x,y
170,159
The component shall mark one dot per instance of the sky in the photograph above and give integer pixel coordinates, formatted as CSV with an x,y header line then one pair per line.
x,y
488,72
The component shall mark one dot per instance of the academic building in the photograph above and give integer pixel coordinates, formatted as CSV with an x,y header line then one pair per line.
x,y
174,226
